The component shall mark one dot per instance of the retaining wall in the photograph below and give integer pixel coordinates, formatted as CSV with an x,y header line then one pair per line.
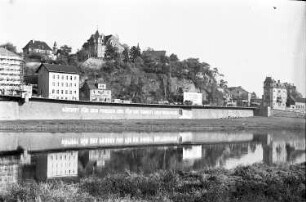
x,y
49,110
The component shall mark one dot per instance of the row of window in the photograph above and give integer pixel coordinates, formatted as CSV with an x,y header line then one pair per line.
x,y
64,84
65,98
64,77
63,91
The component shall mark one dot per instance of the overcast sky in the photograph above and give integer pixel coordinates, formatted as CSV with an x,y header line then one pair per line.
x,y
246,40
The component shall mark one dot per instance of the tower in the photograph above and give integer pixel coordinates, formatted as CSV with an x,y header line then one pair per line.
x,y
55,48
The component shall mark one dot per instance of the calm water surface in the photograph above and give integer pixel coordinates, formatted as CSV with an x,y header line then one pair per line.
x,y
45,156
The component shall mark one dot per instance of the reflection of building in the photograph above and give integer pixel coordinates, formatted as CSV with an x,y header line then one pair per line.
x,y
95,92
275,94
9,171
58,82
11,72
100,156
53,165
283,151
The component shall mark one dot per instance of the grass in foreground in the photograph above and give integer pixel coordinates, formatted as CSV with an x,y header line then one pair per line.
x,y
249,183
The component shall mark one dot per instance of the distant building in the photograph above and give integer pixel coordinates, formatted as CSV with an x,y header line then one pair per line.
x,y
275,94
58,82
195,98
11,72
38,48
240,96
298,104
96,92
155,55
96,45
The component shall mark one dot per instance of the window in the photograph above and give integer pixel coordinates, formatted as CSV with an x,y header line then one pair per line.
x,y
74,77
66,91
66,77
62,91
53,91
70,77
74,92
70,92
70,84
53,83
57,76
75,84
62,84
62,77
57,83
57,92
53,76
66,84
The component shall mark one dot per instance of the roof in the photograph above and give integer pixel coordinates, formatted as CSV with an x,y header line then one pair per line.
x,y
91,85
38,45
6,53
303,100
237,88
59,68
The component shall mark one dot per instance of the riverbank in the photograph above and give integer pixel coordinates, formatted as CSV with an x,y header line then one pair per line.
x,y
256,124
249,183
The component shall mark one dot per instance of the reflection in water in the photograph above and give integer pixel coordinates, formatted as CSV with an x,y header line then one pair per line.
x,y
188,151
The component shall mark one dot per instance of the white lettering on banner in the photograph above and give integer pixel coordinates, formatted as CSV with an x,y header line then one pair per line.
x,y
119,111
68,109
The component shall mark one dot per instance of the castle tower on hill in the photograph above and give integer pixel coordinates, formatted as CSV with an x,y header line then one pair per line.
x,y
275,94
96,45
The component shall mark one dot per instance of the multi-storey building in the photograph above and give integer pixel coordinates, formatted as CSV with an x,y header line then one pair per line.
x,y
275,94
11,72
96,92
58,82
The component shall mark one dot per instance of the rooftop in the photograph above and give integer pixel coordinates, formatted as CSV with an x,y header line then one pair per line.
x,y
38,45
6,53
59,68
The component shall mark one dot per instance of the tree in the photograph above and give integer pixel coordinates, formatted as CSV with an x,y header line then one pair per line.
x,y
223,84
9,46
111,52
134,53
125,54
65,50
173,58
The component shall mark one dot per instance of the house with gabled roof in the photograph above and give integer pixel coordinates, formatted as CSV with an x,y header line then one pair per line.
x,y
58,81
95,92
38,47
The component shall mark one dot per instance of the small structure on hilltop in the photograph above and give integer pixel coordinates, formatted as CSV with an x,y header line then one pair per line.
x,y
96,45
36,48
58,81
95,92
275,94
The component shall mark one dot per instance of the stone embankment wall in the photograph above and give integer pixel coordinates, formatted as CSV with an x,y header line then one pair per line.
x,y
49,110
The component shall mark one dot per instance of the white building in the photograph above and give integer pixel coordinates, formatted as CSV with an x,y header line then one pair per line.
x,y
95,92
11,72
58,82
195,98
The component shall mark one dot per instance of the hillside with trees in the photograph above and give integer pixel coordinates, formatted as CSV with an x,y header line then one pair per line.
x,y
143,77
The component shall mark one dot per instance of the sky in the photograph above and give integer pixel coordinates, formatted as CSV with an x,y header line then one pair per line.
x,y
246,40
